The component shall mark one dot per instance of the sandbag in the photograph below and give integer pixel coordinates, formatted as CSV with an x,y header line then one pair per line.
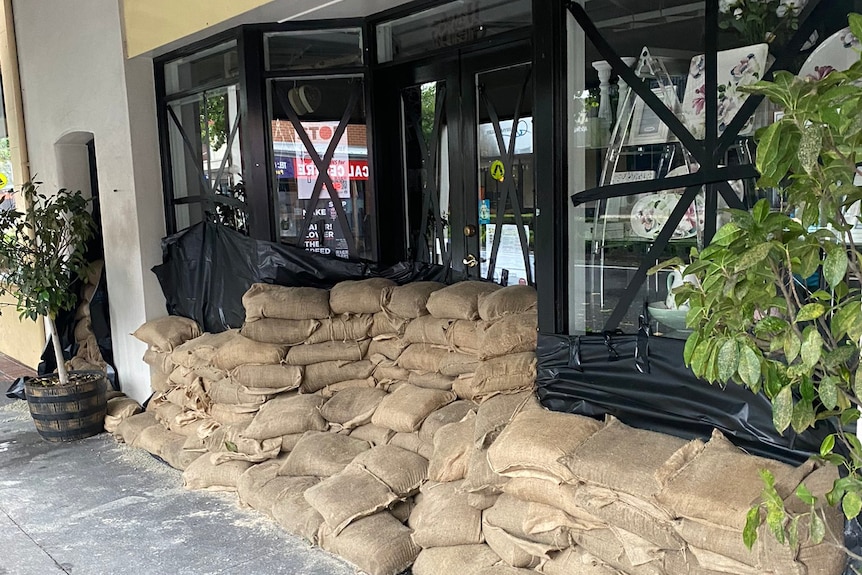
x,y
575,560
479,478
159,381
330,390
514,551
412,442
119,408
404,409
422,357
513,299
280,331
293,513
226,391
388,346
287,414
507,373
348,495
451,413
358,296
166,333
260,484
232,414
198,352
153,439
403,471
319,375
460,300
532,521
373,434
202,473
409,300
427,329
534,441
327,351
272,301
159,360
240,350
561,496
230,442
622,458
175,455
430,380
453,445
378,544
701,490
385,370
456,363
494,414
342,328
352,407
623,550
511,334
272,376
129,429
385,323
458,559
322,454
443,518
465,336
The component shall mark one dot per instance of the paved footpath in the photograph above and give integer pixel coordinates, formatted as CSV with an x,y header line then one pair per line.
x,y
95,507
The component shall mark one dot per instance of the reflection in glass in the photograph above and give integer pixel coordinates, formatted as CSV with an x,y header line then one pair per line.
x,y
202,69
312,49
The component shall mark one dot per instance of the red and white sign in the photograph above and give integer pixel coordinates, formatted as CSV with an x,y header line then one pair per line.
x,y
321,134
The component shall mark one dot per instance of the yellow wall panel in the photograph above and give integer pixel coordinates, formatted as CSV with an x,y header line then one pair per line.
x,y
21,340
150,24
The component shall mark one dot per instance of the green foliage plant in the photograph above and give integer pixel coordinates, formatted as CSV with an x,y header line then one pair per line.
x,y
42,253
754,320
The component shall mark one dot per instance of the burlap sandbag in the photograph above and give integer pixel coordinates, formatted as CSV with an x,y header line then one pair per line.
x,y
494,414
319,375
272,376
204,474
511,334
373,434
182,376
360,296
422,357
327,351
388,371
119,408
452,413
409,299
322,454
260,485
330,390
153,438
532,521
623,550
701,490
166,333
226,391
347,496
159,380
459,301
159,360
388,346
455,364
402,509
404,409
514,299
508,373
286,414
271,301
352,407
385,323
561,496
458,559
412,442
130,428
242,350
377,545
199,351
427,329
453,445
229,442
293,513
626,459
514,551
479,477
289,441
233,414
829,555
575,560
443,517
403,471
280,331
533,442
465,335
342,328
430,380
175,455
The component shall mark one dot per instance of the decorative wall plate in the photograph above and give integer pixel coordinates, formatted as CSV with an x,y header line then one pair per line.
x,y
651,211
838,52
737,67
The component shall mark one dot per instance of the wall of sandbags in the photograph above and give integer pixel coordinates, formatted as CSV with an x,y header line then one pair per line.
x,y
397,426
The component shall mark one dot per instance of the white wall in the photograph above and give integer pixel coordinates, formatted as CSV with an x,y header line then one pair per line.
x,y
74,79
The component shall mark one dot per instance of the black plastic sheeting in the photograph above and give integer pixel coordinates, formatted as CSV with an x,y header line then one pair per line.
x,y
207,268
643,382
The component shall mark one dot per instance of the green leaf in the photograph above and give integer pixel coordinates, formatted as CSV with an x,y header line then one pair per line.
x,y
230,446
782,409
812,347
700,357
851,504
817,530
752,257
760,211
835,265
828,391
726,234
810,311
728,359
855,24
752,522
809,147
804,494
749,366
792,346
690,345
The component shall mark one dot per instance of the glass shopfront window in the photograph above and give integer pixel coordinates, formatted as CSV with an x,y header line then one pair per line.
x,y
313,49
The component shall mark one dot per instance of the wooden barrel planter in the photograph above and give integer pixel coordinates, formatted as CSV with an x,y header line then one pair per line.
x,y
68,412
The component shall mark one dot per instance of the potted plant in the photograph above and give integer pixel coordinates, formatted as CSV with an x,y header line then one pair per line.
x,y
41,255
778,305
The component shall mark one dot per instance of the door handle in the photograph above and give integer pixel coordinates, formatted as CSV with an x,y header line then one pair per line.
x,y
470,261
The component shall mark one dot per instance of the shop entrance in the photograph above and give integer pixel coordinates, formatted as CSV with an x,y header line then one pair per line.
x,y
466,150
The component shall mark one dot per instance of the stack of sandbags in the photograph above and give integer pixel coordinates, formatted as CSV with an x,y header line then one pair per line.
x,y
88,355
120,407
162,336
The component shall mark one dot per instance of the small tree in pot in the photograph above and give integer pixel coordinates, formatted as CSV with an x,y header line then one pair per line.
x,y
42,254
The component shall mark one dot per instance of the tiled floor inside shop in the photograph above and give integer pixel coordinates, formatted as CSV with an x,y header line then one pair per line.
x,y
95,507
